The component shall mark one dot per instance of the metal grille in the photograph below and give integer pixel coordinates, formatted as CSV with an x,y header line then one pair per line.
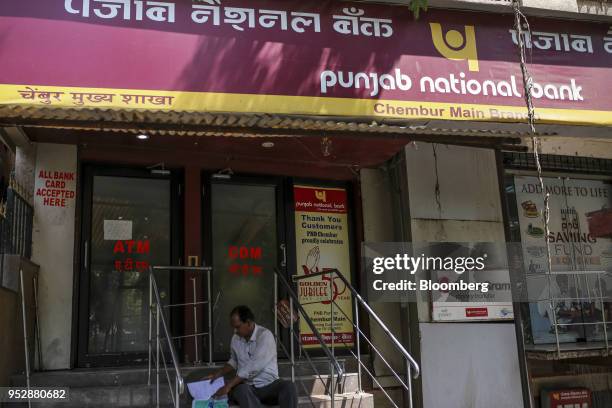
x,y
16,224
577,164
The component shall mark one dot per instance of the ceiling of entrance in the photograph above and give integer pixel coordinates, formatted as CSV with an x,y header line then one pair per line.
x,y
247,153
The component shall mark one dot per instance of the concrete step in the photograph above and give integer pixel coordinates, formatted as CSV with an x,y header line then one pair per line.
x,y
138,375
126,387
363,400
115,391
346,400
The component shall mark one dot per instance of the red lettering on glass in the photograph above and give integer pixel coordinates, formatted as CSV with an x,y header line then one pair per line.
x,y
118,247
245,270
137,247
243,252
143,247
256,253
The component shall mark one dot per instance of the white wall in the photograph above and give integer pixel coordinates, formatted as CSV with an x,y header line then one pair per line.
x,y
464,365
574,146
467,179
53,250
470,366
378,227
573,9
467,207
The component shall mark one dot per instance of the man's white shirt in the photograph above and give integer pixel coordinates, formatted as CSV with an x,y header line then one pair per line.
x,y
255,359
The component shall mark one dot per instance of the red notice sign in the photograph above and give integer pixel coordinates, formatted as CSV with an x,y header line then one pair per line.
x,y
323,200
568,398
476,312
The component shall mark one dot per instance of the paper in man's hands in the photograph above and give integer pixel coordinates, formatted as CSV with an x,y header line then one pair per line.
x,y
204,390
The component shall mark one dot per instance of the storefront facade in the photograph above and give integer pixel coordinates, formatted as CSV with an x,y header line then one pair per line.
x,y
282,136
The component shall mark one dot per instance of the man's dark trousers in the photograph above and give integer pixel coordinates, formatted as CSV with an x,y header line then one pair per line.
x,y
281,392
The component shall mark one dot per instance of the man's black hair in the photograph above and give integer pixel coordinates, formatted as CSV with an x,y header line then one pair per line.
x,y
244,313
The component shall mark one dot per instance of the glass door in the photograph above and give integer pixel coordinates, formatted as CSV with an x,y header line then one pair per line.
x,y
128,225
246,237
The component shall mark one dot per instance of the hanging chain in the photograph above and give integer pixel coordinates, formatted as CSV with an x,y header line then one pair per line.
x,y
519,21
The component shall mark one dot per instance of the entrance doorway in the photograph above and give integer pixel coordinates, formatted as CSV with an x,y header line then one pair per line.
x,y
247,242
129,222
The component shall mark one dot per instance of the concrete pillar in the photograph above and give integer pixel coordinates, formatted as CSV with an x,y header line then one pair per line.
x,y
454,196
378,227
53,249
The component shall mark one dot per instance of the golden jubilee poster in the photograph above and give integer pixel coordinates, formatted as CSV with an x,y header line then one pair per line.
x,y
322,243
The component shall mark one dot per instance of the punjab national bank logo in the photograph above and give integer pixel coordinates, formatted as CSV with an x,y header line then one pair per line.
x,y
455,45
320,195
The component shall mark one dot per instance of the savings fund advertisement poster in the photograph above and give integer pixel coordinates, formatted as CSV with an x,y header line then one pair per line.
x,y
322,243
578,293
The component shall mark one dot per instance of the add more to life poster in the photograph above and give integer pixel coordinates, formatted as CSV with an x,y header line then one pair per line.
x,y
580,243
322,242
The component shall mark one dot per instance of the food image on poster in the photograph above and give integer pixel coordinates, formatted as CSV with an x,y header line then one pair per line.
x,y
580,244
322,243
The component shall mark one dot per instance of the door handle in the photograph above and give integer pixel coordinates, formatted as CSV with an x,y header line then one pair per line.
x,y
86,255
283,248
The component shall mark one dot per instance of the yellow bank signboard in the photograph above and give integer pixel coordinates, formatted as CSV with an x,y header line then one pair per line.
x,y
310,58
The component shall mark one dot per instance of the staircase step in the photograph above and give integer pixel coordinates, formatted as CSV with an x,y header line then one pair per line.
x,y
110,389
305,384
139,399
139,375
348,400
127,387
85,378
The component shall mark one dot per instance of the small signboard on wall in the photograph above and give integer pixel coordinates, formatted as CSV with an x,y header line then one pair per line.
x,y
567,398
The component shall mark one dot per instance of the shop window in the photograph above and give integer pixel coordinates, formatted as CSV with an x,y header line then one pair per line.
x,y
573,303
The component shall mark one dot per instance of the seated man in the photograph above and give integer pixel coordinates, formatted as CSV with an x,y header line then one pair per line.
x,y
253,357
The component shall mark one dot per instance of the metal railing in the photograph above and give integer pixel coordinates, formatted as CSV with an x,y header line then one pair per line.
x,y
336,370
412,367
157,313
24,320
16,218
162,334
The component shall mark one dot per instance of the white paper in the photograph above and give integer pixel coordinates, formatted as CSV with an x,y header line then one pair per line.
x,y
115,230
204,390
